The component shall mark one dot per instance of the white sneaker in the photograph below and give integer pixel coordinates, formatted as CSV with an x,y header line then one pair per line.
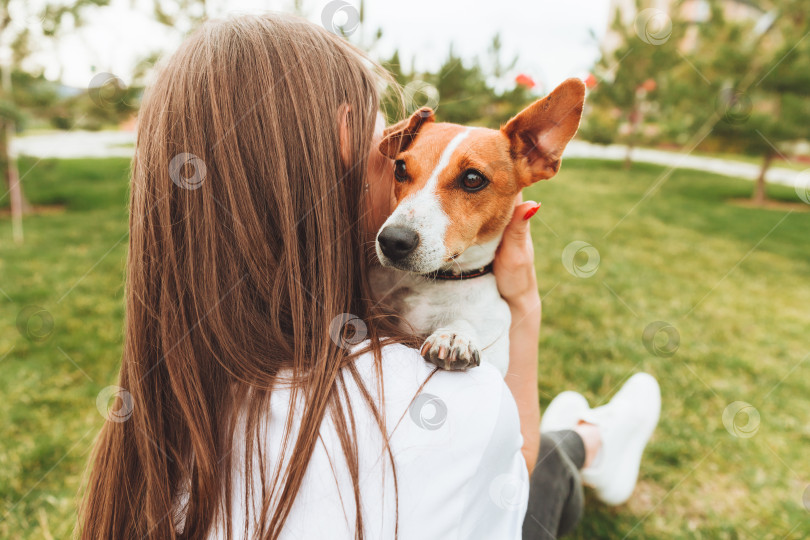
x,y
564,412
625,425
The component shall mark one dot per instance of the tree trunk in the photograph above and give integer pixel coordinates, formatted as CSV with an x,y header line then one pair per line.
x,y
628,157
759,196
8,159
11,175
634,119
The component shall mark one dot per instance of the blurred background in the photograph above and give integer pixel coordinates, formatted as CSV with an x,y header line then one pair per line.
x,y
675,240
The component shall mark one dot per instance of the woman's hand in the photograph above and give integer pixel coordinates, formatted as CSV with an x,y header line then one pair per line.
x,y
517,283
514,261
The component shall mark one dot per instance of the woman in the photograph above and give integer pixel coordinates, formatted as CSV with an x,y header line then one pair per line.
x,y
256,190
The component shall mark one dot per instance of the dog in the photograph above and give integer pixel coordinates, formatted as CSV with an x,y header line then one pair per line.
x,y
455,188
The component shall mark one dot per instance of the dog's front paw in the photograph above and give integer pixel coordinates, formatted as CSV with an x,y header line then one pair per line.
x,y
450,350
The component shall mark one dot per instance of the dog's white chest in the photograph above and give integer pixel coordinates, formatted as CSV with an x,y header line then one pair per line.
x,y
471,307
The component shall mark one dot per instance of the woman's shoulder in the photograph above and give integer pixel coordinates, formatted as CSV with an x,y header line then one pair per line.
x,y
455,437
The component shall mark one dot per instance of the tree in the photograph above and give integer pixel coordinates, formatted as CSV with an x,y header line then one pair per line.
x,y
505,102
758,72
19,25
458,91
636,79
184,15
461,92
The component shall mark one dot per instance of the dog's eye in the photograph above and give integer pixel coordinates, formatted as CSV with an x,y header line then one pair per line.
x,y
472,181
400,171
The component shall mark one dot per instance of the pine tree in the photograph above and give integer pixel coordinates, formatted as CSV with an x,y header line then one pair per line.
x,y
17,27
636,80
757,73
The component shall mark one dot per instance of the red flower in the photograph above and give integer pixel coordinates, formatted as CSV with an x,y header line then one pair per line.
x,y
525,80
649,85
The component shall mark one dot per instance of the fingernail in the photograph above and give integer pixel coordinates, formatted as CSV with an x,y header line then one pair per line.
x,y
531,212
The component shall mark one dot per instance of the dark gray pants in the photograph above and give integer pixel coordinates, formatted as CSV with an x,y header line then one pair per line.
x,y
555,488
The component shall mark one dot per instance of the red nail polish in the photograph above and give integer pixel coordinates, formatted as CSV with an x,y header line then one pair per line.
x,y
531,212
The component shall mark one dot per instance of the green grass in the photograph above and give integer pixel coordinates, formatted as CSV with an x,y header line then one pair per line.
x,y
733,281
72,266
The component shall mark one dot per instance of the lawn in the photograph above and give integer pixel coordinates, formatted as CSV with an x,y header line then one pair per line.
x,y
730,283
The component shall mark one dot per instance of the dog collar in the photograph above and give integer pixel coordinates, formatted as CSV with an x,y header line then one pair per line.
x,y
447,275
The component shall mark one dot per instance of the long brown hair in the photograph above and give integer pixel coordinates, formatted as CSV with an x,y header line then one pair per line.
x,y
246,246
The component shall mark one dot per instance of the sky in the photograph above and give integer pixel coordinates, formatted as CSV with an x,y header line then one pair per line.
x,y
552,39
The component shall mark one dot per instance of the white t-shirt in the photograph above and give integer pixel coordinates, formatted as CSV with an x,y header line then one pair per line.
x,y
456,447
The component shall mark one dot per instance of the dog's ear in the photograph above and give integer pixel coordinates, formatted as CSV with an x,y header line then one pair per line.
x,y
540,132
400,136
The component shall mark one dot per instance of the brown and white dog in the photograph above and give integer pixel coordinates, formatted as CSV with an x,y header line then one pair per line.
x,y
455,188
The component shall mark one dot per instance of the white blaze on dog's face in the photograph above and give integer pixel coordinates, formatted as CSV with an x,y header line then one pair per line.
x,y
455,185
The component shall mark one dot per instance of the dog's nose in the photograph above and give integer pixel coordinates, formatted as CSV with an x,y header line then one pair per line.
x,y
397,242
